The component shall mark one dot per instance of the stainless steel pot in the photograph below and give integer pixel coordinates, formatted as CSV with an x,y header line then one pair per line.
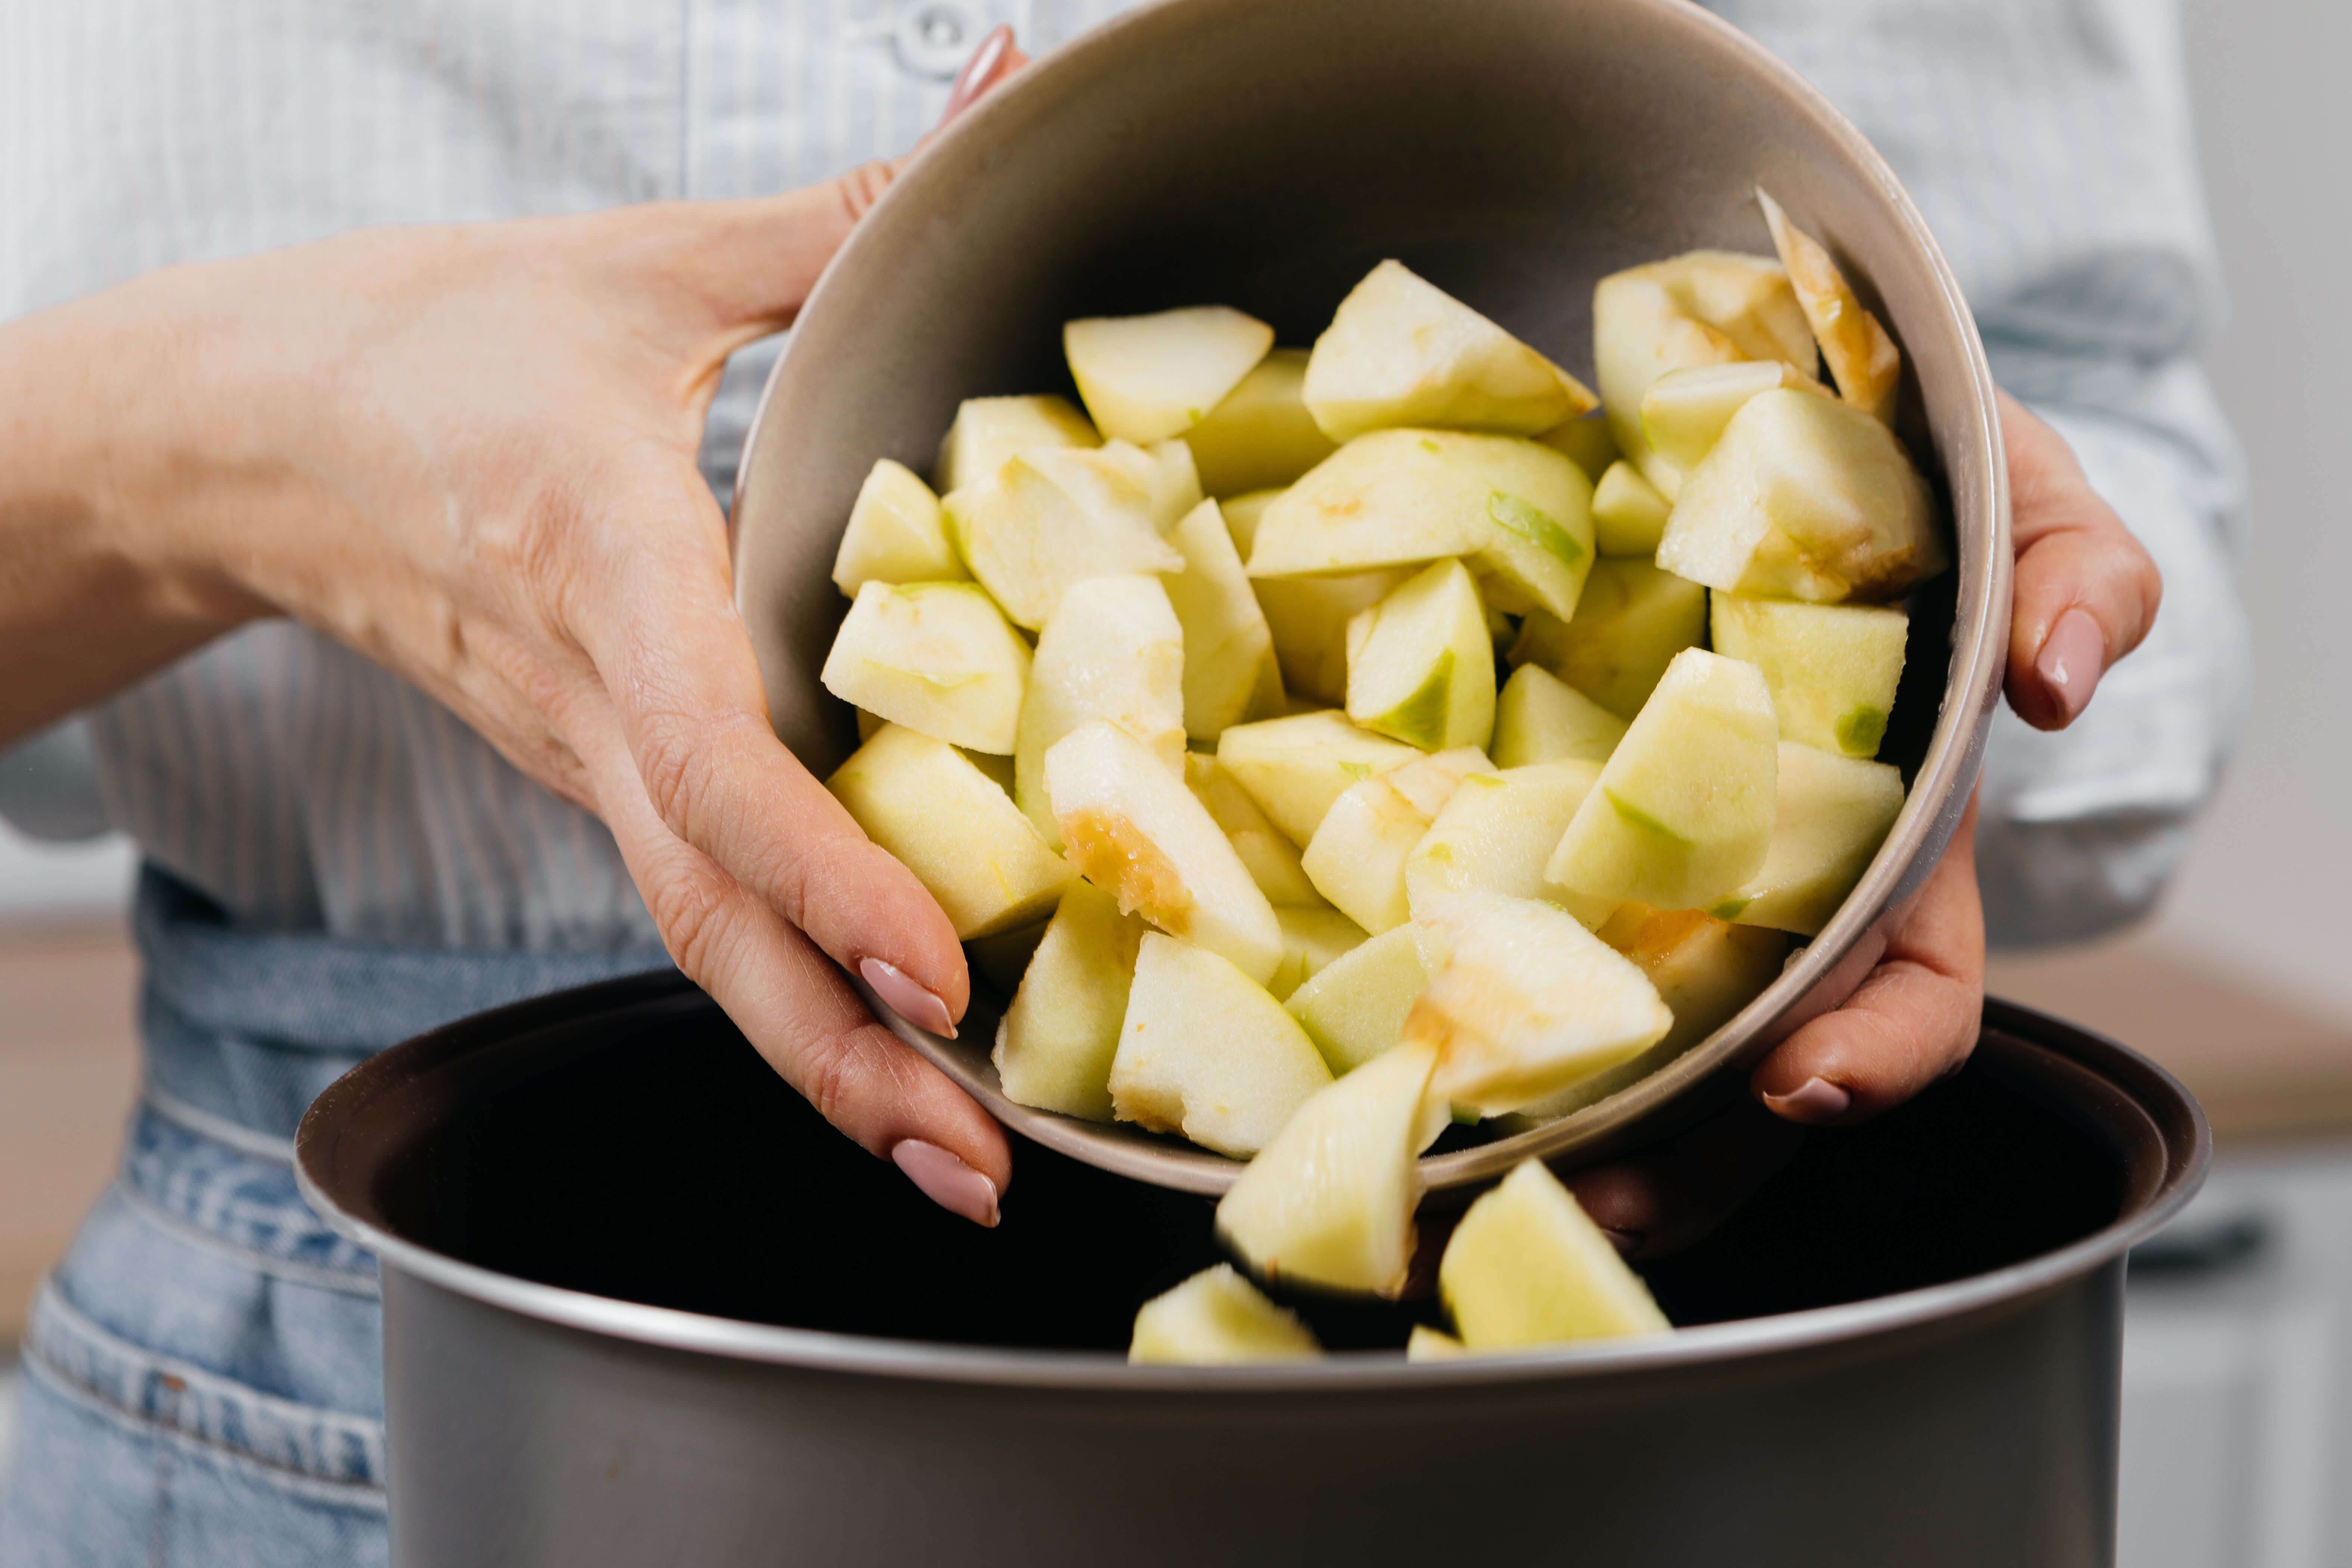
x,y
642,1306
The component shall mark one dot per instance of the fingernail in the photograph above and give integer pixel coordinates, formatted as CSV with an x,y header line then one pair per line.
x,y
1624,1241
1814,1100
973,80
947,1181
908,1000
2072,657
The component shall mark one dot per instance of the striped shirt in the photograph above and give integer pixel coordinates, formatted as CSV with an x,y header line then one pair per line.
x,y
305,789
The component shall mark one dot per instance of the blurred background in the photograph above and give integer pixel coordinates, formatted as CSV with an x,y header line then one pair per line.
x,y
2238,1377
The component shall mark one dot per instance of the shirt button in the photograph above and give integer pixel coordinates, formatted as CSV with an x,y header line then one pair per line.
x,y
934,37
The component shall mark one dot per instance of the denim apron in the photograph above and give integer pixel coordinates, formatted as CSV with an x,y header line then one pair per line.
x,y
203,1374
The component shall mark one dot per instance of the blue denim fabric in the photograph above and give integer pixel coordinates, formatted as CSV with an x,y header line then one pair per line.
x,y
203,1372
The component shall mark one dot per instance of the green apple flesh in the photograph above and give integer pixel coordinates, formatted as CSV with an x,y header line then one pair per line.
x,y
1355,1008
1217,1318
1260,436
1296,767
1272,859
1805,497
1587,442
1539,718
1357,858
1204,1051
1526,1267
1051,517
1421,663
1523,1002
935,657
1114,650
989,430
1862,359
1631,622
1147,378
1312,941
1054,1044
1495,835
1330,1200
896,534
1230,673
1683,810
1833,815
1402,352
948,823
1518,514
1426,1343
1684,411
1629,515
1833,668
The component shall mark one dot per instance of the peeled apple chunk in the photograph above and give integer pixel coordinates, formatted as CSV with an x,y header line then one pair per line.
x,y
1146,378
1330,1201
1587,442
1496,833
1833,815
1523,1002
1520,514
1805,497
1260,436
1629,515
1539,717
1862,359
1312,941
1170,485
954,828
1833,668
1114,650
1683,810
896,534
1355,1008
1217,1319
1052,517
1271,859
1403,351
1309,617
1296,767
935,657
1684,411
1357,858
1421,664
1055,1043
1230,673
1205,1052
989,430
1709,307
1526,1267
1631,622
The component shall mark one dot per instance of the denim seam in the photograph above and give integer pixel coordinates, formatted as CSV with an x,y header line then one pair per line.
x,y
146,1209
220,1130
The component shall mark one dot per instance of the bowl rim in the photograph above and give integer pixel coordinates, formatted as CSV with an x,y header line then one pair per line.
x,y
1820,974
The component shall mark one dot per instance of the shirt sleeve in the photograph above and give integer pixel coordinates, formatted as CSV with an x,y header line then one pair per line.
x,y
2049,144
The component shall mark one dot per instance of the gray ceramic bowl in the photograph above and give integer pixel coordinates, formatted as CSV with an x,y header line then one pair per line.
x,y
1265,155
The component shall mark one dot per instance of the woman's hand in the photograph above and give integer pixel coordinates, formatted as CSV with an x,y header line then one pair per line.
x,y
468,452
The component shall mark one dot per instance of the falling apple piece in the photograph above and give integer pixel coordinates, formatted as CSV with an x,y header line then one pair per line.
x,y
1526,1267
1217,1319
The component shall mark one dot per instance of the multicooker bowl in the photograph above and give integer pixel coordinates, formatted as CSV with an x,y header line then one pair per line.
x,y
1266,155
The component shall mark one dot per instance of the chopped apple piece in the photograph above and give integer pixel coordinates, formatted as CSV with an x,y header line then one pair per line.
x,y
896,534
1147,378
1309,618
1519,515
1426,1343
1164,470
1631,622
1357,858
1833,668
1862,359
1833,815
1805,497
1684,411
1271,859
1230,674
1710,307
1241,513
1260,436
1205,1052
989,430
1523,1002
1054,1044
995,764
1539,717
1135,831
1051,517
1003,959
1403,351
1330,1200
1683,810
1587,442
1296,767
1629,515
948,823
1114,650
1421,663
935,657
1217,1318
1496,834
1526,1267
1355,1008
1312,941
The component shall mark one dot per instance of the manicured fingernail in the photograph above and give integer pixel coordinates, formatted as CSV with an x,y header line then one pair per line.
x,y
1624,1241
908,1000
948,1181
1815,1099
978,72
2072,657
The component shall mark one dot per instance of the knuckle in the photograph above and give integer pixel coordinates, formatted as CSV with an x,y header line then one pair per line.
x,y
697,919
